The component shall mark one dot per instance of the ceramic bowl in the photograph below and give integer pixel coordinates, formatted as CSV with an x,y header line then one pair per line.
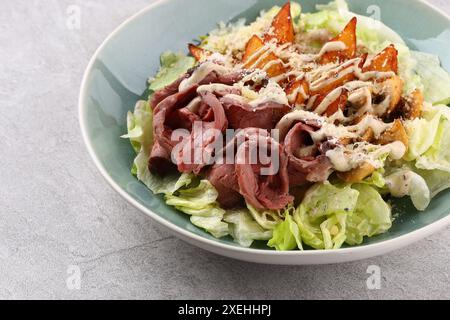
x,y
116,78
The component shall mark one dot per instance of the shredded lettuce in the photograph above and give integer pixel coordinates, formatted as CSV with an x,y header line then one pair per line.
x,y
376,179
435,80
197,201
172,66
200,202
140,126
430,139
213,225
436,180
372,216
322,216
244,229
331,215
286,235
267,219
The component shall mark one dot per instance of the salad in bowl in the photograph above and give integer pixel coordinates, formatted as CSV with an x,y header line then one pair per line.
x,y
297,129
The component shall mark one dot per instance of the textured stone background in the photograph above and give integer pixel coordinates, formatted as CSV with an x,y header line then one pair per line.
x,y
56,210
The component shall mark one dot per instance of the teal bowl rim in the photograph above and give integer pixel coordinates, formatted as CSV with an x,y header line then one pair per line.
x,y
345,254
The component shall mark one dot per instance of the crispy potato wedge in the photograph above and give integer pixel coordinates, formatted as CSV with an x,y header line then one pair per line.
x,y
338,104
282,26
396,133
414,105
393,88
348,37
338,82
385,61
198,53
251,54
345,141
357,175
369,136
255,57
294,91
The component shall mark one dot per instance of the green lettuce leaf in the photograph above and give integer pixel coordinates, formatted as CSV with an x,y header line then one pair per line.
x,y
267,219
376,179
213,225
422,133
322,216
372,216
244,229
173,65
435,80
196,201
436,180
200,202
332,215
430,139
286,235
140,126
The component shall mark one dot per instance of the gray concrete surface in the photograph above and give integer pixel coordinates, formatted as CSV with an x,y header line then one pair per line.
x,y
57,213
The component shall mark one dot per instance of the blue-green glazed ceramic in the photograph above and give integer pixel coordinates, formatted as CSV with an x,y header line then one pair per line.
x,y
117,75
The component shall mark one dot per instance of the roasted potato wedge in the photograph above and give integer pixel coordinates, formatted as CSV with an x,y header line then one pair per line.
x,y
338,82
357,175
253,58
282,26
385,61
338,104
396,133
198,53
368,136
392,88
295,90
414,105
348,37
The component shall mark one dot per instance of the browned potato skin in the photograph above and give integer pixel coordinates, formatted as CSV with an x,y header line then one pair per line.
x,y
414,105
357,175
393,87
368,136
396,133
198,53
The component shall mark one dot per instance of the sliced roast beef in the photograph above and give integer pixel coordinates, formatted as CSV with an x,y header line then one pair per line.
x,y
237,175
242,115
306,162
264,185
227,79
164,112
223,177
160,162
198,151
169,90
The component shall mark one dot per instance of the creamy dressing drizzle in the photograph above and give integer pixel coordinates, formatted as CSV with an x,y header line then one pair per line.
x,y
329,99
344,160
201,72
